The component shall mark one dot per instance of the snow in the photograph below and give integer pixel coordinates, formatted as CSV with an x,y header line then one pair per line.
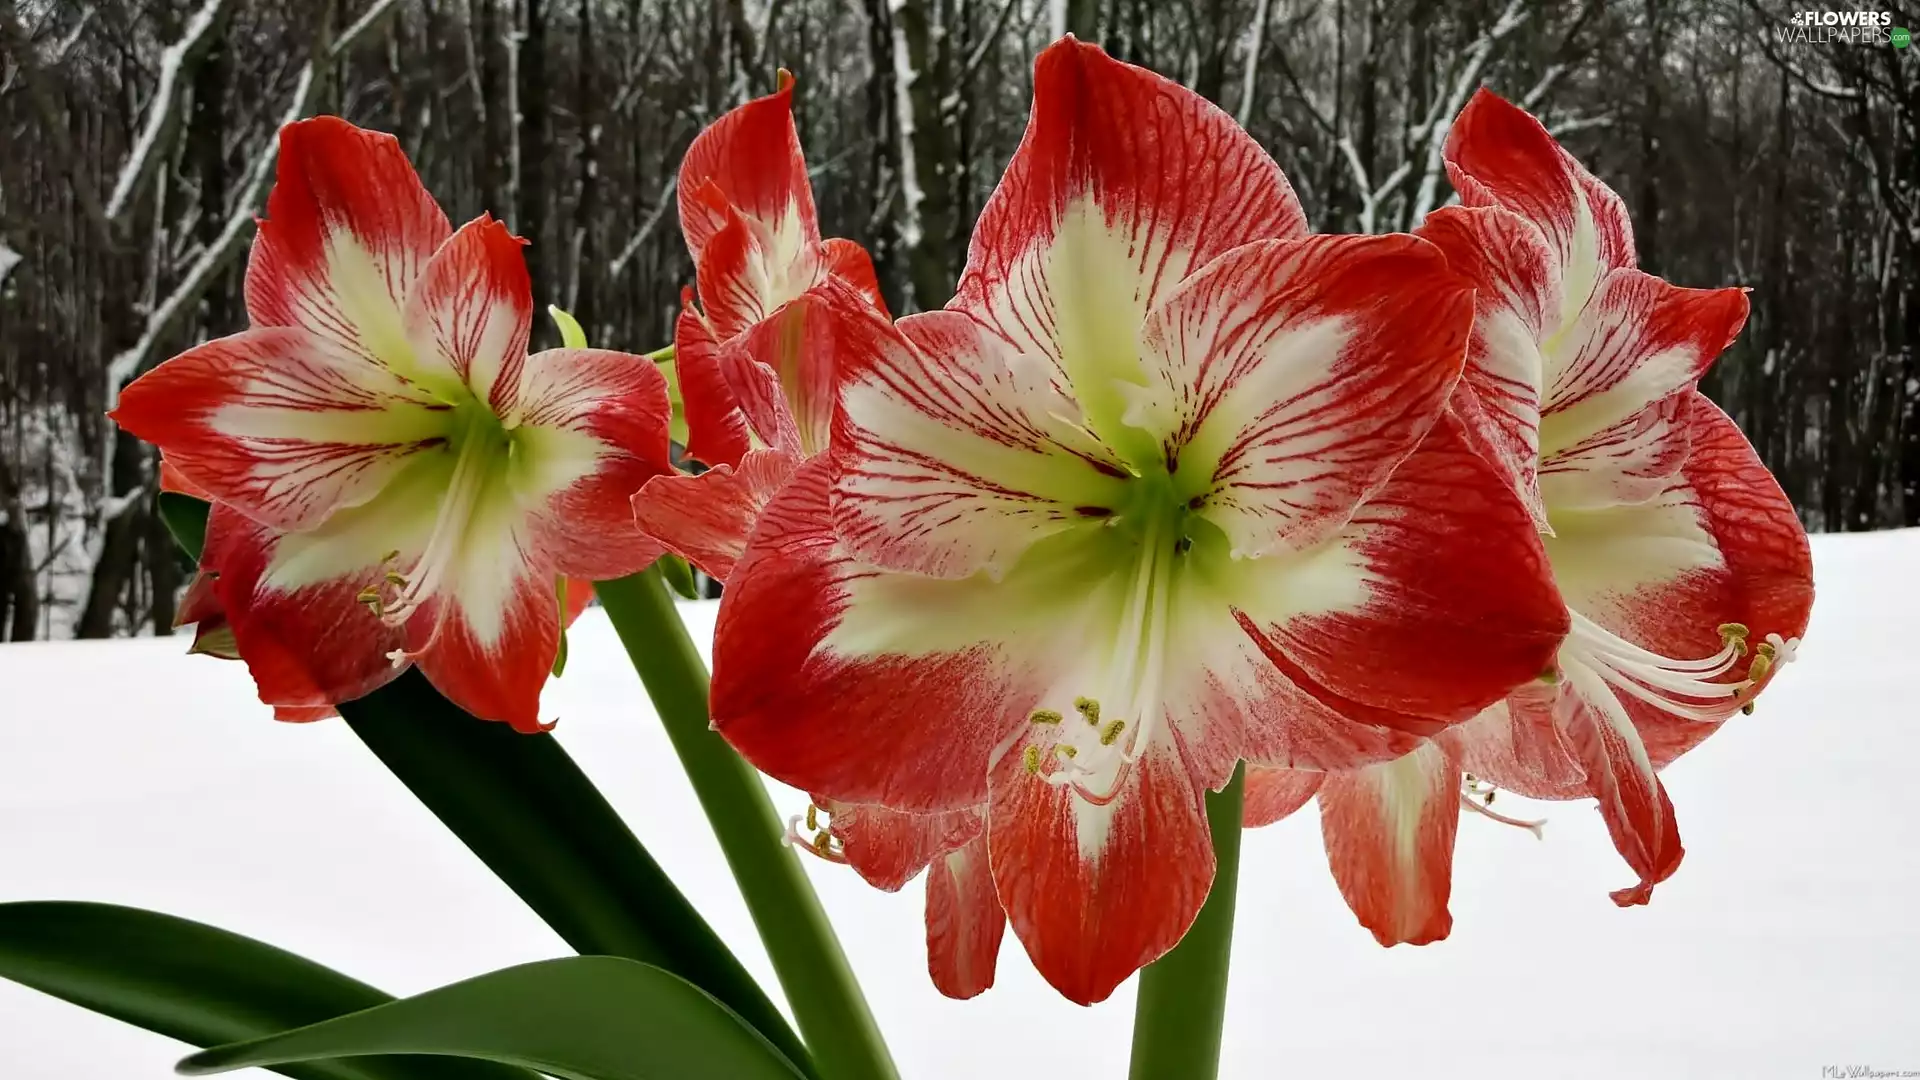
x,y
9,259
166,94
1786,944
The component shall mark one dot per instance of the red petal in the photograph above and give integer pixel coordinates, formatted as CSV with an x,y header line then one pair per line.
x,y
1459,602
1273,793
707,518
579,599
803,344
964,921
311,646
1301,373
1389,831
348,230
1517,744
469,314
1620,775
1634,461
717,432
855,727
750,158
1173,176
887,847
1497,155
732,274
489,645
850,263
1097,892
171,479
280,423
592,427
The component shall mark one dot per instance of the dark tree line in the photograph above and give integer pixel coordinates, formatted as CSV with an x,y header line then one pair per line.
x,y
136,141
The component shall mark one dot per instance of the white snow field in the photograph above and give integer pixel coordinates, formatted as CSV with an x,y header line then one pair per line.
x,y
1787,945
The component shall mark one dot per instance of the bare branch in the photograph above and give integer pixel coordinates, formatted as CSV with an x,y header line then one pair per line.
x,y
647,226
177,62
1254,48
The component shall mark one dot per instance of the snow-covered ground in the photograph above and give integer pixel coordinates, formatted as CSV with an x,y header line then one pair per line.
x,y
1788,943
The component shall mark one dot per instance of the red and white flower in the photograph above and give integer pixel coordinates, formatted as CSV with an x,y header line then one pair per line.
x,y
1170,484
1686,574
755,359
395,479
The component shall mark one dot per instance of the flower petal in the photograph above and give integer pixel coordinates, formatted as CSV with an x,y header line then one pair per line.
x,y
954,456
1095,892
1274,793
964,921
717,431
1638,340
707,518
281,423
1288,378
849,262
1620,775
1517,744
801,345
171,479
888,847
589,430
852,720
1431,604
349,228
1517,305
1389,831
469,315
1497,155
1124,183
748,159
1631,462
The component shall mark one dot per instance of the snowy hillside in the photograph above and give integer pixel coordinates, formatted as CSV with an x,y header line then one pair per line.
x,y
1787,942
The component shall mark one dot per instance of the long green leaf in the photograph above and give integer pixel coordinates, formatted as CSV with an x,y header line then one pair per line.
x,y
521,804
582,1018
196,983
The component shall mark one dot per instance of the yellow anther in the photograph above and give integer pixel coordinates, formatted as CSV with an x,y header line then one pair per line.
x,y
369,595
813,818
1734,634
1089,708
823,843
1762,663
1068,752
1747,709
1111,732
1032,760
396,579
1044,716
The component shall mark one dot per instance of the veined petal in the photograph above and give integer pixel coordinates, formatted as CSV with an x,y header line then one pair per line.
x,y
1433,602
469,314
1097,891
746,274
281,423
717,431
749,159
1516,277
589,430
1620,774
349,228
1389,832
1637,340
1517,744
172,479
856,718
1289,378
849,262
1630,462
954,455
1124,183
964,921
1498,155
888,847
1275,793
707,518
802,345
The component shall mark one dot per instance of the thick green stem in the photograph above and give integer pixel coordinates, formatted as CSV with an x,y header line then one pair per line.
x,y
1183,995
834,1020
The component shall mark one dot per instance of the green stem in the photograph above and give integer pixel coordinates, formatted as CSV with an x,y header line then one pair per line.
x,y
1183,995
833,1016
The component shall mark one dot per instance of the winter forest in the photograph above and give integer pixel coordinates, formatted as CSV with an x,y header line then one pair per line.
x,y
137,143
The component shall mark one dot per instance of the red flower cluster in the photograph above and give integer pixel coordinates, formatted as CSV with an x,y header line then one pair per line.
x,y
1170,485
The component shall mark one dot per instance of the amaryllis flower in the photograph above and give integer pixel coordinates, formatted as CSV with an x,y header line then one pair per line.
x,y
888,848
1169,484
1685,571
395,480
754,359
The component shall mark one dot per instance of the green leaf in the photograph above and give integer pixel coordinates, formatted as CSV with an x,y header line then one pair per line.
x,y
582,1018
523,806
571,336
677,425
196,983
679,576
186,518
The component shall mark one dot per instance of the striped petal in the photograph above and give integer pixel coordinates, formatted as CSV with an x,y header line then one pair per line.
x,y
1124,183
1389,831
282,423
469,314
1273,793
349,228
888,847
707,518
717,430
964,921
850,262
1289,378
749,160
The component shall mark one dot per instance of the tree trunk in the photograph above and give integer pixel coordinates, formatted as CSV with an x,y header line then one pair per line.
x,y
535,136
